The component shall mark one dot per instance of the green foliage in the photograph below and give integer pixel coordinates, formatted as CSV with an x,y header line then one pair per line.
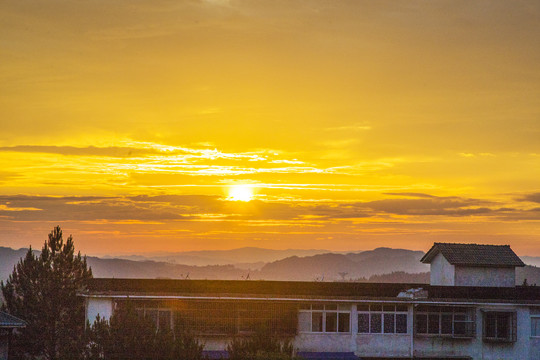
x,y
42,290
262,345
129,336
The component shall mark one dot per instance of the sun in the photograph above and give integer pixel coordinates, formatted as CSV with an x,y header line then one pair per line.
x,y
240,193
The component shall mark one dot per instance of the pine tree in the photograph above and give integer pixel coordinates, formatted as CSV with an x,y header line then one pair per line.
x,y
42,290
129,335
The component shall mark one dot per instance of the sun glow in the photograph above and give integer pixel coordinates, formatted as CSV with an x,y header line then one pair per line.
x,y
240,193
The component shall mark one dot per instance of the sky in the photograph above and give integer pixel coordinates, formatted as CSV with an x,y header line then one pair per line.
x,y
165,125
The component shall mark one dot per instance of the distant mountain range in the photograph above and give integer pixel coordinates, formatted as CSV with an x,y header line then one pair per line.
x,y
244,256
378,265
349,266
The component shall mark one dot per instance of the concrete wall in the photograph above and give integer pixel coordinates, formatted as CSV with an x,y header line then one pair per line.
x,y
383,345
101,306
485,276
331,342
373,345
476,348
534,343
442,272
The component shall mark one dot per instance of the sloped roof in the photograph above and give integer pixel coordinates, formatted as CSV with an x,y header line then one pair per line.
x,y
10,321
474,255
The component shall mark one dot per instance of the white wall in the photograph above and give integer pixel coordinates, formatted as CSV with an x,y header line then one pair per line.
x,y
441,271
101,306
485,276
476,348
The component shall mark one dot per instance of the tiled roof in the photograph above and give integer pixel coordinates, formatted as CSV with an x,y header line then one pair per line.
x,y
474,255
10,321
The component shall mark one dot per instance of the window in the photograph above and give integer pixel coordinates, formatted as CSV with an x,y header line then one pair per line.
x,y
379,319
221,317
211,317
160,317
457,322
325,318
500,326
535,325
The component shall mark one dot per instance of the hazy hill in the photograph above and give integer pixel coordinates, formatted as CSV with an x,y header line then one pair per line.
x,y
327,266
531,260
378,265
351,265
122,268
8,258
531,273
249,257
384,260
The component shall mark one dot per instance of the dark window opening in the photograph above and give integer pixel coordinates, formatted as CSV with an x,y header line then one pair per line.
x,y
500,326
457,322
344,322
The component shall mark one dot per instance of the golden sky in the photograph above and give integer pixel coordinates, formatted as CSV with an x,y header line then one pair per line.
x,y
355,124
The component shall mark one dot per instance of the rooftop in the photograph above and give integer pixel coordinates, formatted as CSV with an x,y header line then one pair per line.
x,y
258,289
10,321
246,288
474,255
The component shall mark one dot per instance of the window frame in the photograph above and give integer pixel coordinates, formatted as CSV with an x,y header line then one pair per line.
x,y
441,312
146,310
325,309
381,314
537,318
512,326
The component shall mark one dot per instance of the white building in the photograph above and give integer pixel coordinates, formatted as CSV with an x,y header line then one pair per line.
x,y
332,320
472,265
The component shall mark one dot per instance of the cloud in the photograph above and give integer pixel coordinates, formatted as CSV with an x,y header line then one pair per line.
x,y
410,194
425,204
203,207
166,208
72,208
113,151
532,197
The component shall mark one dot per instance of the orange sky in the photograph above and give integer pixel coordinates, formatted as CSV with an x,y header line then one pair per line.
x,y
356,124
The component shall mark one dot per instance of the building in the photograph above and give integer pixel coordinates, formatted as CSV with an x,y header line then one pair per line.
x,y
458,317
472,265
7,324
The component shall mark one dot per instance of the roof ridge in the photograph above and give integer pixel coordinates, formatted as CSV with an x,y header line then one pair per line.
x,y
455,243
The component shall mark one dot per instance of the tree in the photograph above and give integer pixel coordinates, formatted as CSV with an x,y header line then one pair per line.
x,y
42,290
128,335
262,345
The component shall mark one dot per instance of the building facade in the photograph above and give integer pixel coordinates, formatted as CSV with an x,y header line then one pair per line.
x,y
342,320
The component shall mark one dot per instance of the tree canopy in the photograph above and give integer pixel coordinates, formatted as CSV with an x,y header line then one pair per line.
x,y
42,290
129,335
